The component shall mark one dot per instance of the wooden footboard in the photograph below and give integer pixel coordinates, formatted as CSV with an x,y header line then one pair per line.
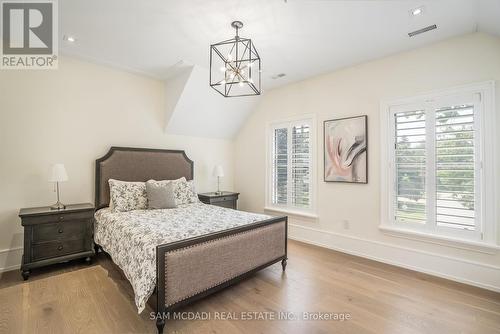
x,y
194,268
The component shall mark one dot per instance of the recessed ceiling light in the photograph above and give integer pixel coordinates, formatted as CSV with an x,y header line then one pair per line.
x,y
417,11
277,76
70,39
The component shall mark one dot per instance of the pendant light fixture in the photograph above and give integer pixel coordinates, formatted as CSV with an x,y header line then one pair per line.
x,y
235,67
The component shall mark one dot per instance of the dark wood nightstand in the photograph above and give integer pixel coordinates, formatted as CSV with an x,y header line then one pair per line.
x,y
53,236
227,199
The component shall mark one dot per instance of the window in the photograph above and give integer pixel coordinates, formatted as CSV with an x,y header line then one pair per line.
x,y
438,174
290,178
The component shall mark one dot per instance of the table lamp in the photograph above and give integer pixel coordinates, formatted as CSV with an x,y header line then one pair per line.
x,y
58,174
219,172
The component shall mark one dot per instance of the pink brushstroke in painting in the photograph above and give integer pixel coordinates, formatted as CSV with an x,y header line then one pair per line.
x,y
345,150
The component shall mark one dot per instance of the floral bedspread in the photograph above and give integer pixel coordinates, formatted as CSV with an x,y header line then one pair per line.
x,y
130,238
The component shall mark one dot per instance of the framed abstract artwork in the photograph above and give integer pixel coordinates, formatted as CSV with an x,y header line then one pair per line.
x,y
345,149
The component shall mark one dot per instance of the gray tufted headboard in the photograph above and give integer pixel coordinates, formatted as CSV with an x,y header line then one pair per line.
x,y
138,164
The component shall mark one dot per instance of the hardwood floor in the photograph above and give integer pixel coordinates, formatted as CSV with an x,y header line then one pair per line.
x,y
75,298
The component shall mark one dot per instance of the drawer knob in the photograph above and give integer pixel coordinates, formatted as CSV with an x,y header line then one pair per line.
x,y
60,247
60,230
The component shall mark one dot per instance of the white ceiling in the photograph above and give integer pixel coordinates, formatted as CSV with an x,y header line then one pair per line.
x,y
489,16
166,39
301,38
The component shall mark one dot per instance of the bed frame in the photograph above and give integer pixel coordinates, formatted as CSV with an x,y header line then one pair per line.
x,y
192,269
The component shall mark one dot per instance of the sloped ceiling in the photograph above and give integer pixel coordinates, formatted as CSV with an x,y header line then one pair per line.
x,y
301,38
194,110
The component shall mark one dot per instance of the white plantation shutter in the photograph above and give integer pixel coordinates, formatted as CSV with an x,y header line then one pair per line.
x,y
436,159
300,165
280,166
291,156
410,163
455,167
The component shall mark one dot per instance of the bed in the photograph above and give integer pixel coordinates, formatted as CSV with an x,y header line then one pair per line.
x,y
173,257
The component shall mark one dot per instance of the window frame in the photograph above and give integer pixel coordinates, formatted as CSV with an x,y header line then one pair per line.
x,y
288,208
485,178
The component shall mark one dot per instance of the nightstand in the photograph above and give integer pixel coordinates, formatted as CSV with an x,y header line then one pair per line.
x,y
227,199
53,236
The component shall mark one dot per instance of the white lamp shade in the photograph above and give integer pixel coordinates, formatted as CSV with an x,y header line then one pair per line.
x,y
218,171
58,173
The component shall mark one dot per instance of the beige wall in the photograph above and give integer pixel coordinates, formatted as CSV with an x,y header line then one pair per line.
x,y
73,115
354,91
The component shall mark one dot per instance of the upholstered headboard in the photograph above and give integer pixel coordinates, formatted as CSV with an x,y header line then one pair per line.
x,y
138,164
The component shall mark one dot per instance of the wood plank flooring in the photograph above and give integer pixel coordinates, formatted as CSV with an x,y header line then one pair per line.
x,y
76,298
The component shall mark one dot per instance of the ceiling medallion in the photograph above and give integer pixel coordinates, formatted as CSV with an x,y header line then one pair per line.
x,y
235,66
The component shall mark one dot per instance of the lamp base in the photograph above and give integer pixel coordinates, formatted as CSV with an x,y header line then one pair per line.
x,y
58,206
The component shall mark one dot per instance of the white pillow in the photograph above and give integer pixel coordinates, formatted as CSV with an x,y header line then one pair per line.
x,y
127,196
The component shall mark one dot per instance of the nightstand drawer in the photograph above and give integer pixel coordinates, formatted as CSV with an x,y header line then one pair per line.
x,y
75,229
230,204
52,249
57,217
226,200
222,199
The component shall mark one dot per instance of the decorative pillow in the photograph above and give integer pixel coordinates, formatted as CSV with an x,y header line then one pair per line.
x,y
160,195
127,196
194,194
184,191
164,182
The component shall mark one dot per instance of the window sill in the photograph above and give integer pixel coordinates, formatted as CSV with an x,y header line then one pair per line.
x,y
475,246
292,212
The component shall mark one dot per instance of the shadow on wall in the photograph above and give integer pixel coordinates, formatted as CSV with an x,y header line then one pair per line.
x,y
11,258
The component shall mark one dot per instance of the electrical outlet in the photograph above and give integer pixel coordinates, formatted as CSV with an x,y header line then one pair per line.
x,y
345,224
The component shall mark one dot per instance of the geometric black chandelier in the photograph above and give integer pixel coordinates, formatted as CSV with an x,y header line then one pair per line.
x,y
235,67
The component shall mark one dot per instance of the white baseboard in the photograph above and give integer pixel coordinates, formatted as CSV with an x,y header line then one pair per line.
x,y
10,259
464,271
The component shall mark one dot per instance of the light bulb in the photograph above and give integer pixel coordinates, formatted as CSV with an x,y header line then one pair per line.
x,y
416,11
240,83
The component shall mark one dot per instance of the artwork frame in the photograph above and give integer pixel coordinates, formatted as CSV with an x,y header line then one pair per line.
x,y
329,174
